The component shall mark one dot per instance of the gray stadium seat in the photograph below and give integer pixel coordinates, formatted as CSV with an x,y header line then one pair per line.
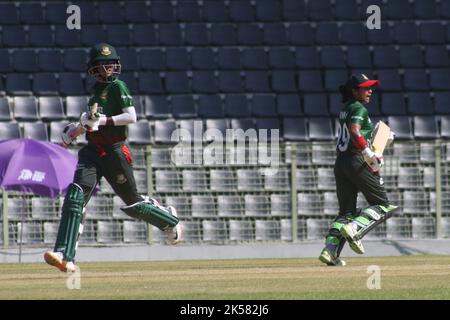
x,y
280,205
194,180
134,231
409,177
398,228
167,181
108,232
214,230
317,229
191,231
29,232
222,180
249,179
99,207
256,205
415,202
35,130
240,230
50,232
230,206
181,203
277,180
309,204
203,206
423,227
267,230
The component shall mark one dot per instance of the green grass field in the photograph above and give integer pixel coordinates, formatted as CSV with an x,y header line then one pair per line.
x,y
406,277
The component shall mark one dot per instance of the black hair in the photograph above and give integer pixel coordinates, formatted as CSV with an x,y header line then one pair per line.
x,y
346,93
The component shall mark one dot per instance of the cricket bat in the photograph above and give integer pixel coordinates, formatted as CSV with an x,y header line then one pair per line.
x,y
380,137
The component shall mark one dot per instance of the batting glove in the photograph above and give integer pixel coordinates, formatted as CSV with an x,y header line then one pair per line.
x,y
373,159
68,134
92,123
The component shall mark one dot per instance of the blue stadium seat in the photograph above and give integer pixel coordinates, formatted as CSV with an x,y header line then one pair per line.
x,y
188,11
359,57
75,59
406,32
119,35
163,131
51,109
9,130
229,58
93,34
177,82
177,59
204,82
268,124
90,12
250,35
156,107
389,80
275,34
230,81
393,104
283,81
5,110
442,102
385,57
236,106
45,84
320,129
71,84
223,35
257,81
264,105
335,104
288,105
445,9
425,9
241,11
24,60
310,80
138,102
332,57
254,59
319,10
294,10
294,129
67,38
402,127
196,34
162,11
144,35
335,78
170,35
327,33
315,104
445,127
152,59
14,36
268,10
203,59
242,123
347,10
437,56
301,34
381,36
354,33
425,127
136,12
5,61
183,106
415,79
35,130
110,12
75,106
41,36
139,133
411,56
190,125
128,58
18,84
50,60
215,11
210,106
150,83
432,33
9,14
307,58
399,9
31,13
281,58
130,79
440,79
25,109
419,103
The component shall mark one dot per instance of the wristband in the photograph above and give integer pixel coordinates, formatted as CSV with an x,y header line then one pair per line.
x,y
360,143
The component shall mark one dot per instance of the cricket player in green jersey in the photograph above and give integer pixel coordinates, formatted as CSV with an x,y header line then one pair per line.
x,y
356,169
106,155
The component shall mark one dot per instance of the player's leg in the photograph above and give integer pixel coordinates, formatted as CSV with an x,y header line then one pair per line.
x,y
72,214
119,173
380,209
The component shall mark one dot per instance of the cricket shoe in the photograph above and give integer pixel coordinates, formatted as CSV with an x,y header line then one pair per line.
x,y
55,259
173,233
349,232
330,259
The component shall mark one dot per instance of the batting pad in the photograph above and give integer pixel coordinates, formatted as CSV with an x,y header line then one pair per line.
x,y
149,213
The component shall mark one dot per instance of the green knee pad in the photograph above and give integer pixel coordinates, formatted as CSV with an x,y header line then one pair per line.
x,y
149,213
71,217
334,240
372,216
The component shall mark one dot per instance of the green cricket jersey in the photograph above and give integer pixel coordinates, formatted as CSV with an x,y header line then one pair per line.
x,y
111,98
352,112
